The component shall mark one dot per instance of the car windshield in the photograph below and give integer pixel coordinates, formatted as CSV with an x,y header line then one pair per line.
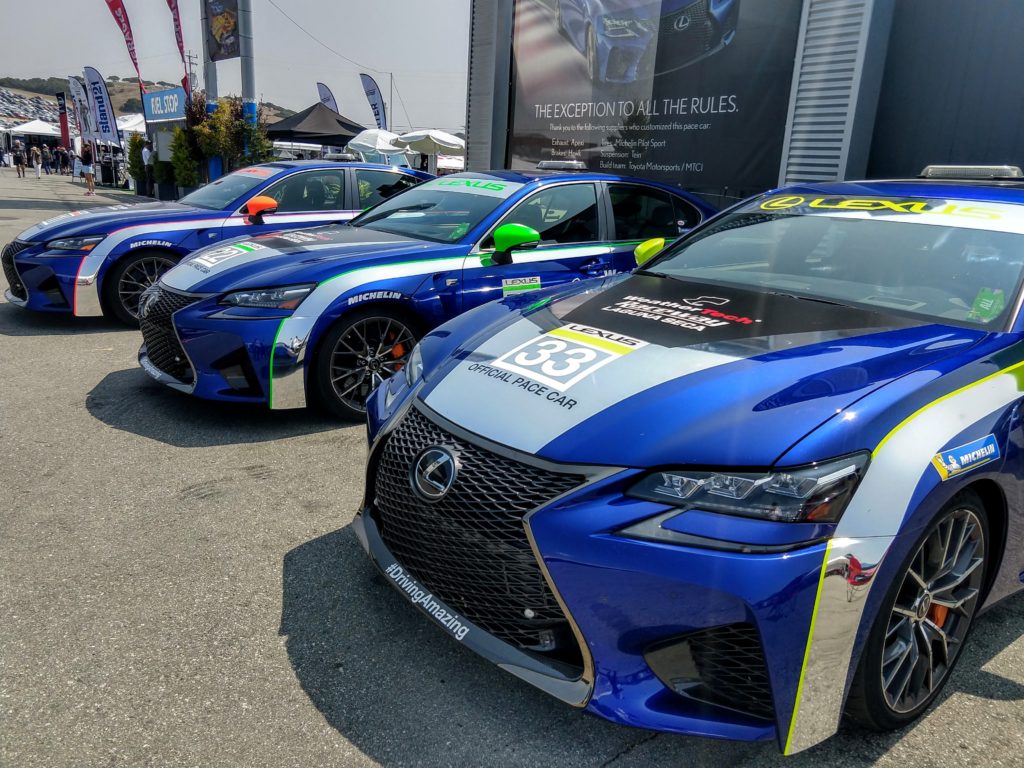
x,y
441,211
940,259
219,194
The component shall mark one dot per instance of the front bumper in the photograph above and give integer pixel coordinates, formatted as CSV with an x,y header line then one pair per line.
x,y
38,281
638,606
223,356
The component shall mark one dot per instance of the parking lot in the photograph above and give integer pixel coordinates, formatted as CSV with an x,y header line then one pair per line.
x,y
179,586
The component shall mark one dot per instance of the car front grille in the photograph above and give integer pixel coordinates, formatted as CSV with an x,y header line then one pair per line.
x,y
723,666
10,250
470,548
157,326
685,36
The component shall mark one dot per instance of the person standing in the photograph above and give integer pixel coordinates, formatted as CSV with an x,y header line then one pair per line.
x,y
19,159
147,166
90,182
37,160
47,159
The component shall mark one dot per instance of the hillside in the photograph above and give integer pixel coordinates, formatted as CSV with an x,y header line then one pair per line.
x,y
124,93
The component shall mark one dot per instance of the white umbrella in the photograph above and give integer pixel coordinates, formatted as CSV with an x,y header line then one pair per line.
x,y
375,140
432,142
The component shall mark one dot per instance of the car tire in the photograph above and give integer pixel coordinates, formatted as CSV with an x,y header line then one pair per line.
x,y
128,278
903,667
357,354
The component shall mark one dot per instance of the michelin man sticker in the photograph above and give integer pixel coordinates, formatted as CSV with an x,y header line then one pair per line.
x,y
955,461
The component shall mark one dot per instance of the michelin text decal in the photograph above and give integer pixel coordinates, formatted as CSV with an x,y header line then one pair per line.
x,y
964,458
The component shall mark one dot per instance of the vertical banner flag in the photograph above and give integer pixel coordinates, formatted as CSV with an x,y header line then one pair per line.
x,y
376,101
222,29
121,17
102,109
176,18
83,113
326,97
62,108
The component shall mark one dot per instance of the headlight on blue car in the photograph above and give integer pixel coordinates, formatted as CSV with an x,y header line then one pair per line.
x,y
85,243
414,366
817,494
285,297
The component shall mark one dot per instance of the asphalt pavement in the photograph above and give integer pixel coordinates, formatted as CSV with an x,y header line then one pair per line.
x,y
179,586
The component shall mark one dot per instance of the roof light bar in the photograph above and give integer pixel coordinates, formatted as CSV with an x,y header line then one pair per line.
x,y
561,165
979,172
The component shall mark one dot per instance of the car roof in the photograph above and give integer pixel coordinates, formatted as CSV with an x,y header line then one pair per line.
x,y
980,191
314,164
527,176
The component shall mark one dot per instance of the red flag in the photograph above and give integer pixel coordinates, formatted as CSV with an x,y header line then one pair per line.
x,y
173,5
121,17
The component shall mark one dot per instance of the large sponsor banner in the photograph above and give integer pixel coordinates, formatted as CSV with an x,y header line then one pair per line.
x,y
120,15
83,112
166,105
695,93
222,29
373,96
102,109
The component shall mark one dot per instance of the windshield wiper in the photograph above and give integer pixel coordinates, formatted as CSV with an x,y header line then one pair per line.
x,y
807,298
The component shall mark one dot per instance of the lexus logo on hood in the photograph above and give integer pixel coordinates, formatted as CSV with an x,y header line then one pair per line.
x,y
433,473
681,23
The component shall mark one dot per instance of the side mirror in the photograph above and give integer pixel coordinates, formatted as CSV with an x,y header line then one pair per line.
x,y
511,237
647,250
258,206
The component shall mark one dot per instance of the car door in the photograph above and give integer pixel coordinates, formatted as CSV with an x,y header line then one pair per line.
x,y
571,222
304,199
640,212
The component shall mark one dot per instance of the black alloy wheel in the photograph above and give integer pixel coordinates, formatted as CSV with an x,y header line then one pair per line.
x,y
925,619
129,278
358,354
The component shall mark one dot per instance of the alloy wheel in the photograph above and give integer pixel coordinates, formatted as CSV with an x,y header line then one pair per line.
x,y
368,352
933,611
137,277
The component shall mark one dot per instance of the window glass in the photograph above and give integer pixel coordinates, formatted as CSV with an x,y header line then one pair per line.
x,y
641,213
563,214
377,186
313,191
218,194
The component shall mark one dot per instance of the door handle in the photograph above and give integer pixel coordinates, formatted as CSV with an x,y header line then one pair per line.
x,y
595,267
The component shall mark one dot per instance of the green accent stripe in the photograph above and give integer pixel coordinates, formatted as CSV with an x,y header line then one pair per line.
x,y
807,651
521,288
273,350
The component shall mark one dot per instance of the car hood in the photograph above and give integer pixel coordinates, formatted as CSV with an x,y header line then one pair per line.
x,y
105,218
675,372
287,258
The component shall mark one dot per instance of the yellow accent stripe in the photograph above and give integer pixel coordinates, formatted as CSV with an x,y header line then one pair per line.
x,y
594,341
948,395
807,650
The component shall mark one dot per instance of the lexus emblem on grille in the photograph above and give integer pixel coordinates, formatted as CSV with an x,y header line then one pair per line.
x,y
433,473
681,23
146,302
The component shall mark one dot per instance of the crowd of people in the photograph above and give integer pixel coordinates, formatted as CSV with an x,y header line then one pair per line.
x,y
58,160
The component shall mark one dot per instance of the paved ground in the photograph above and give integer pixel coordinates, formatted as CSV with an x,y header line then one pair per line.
x,y
179,587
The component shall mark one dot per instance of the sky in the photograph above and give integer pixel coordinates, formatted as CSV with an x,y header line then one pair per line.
x,y
423,42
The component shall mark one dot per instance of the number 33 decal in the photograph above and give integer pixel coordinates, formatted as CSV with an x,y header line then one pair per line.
x,y
573,357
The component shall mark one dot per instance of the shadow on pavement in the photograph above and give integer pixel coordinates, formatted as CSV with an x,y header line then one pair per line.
x,y
404,693
131,401
32,204
15,321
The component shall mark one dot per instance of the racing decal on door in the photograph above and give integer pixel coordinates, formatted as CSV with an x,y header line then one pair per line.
x,y
564,356
519,284
210,259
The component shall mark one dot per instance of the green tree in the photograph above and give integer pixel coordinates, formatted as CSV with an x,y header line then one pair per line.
x,y
184,159
135,167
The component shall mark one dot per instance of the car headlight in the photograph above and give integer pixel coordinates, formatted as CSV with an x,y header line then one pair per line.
x,y
818,493
285,297
614,27
85,243
414,366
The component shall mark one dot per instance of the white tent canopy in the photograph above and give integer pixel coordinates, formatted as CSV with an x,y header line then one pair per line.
x,y
133,123
35,128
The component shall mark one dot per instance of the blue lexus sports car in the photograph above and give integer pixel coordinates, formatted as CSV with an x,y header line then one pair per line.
x,y
328,313
771,476
99,261
620,38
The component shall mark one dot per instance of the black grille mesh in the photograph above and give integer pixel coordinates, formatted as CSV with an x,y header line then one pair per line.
x,y
10,272
732,668
162,345
680,46
470,548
